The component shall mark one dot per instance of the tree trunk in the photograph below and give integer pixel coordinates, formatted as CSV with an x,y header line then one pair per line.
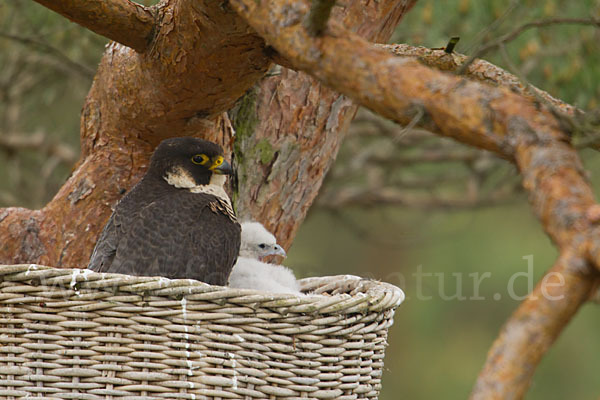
x,y
290,127
192,61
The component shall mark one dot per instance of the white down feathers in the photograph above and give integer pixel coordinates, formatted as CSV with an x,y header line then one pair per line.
x,y
250,272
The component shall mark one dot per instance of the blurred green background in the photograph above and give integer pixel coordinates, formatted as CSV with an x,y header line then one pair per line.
x,y
441,333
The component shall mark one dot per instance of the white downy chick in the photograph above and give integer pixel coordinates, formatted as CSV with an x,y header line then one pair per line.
x,y
250,272
258,242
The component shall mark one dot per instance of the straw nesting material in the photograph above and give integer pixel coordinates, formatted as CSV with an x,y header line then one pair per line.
x,y
76,334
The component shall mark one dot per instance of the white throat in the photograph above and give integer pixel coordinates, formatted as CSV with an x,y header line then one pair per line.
x,y
181,179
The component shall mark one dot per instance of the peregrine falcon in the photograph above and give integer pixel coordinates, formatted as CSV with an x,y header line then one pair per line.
x,y
177,222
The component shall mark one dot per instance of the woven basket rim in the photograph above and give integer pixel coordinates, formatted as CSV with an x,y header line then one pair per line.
x,y
326,294
77,334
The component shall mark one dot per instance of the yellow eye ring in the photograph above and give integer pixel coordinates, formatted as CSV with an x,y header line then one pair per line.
x,y
200,159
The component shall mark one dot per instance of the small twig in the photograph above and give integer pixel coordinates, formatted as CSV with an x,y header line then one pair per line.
x,y
81,69
416,119
362,197
495,24
567,122
38,142
320,10
520,29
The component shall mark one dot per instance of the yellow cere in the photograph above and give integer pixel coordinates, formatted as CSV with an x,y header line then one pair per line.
x,y
217,161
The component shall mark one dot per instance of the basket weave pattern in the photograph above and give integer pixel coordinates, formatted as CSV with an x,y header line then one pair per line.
x,y
73,334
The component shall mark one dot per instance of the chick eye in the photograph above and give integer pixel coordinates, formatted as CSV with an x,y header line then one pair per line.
x,y
218,161
200,159
262,245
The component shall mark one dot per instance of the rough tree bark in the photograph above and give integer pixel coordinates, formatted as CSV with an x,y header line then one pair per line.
x,y
290,128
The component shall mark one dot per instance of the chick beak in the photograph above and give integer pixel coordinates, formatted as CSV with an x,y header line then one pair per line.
x,y
279,251
222,169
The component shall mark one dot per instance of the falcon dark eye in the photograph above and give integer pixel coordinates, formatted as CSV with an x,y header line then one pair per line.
x,y
200,159
262,245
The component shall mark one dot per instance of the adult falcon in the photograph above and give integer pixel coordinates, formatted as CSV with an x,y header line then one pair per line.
x,y
177,222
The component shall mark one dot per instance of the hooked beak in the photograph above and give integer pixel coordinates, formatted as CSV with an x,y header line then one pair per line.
x,y
279,251
271,252
223,169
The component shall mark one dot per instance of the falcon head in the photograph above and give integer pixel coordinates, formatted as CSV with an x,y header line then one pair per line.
x,y
188,162
257,242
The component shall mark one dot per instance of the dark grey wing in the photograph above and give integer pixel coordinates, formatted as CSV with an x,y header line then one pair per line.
x,y
106,246
179,236
218,245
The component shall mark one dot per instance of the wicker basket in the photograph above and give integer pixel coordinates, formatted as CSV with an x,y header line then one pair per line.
x,y
75,334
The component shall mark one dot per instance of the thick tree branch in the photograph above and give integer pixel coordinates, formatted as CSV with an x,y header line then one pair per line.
x,y
480,70
558,190
493,118
566,203
396,87
532,329
123,21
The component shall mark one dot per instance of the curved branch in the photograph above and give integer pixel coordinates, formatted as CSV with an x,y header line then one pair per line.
x,y
123,21
395,87
533,328
480,70
492,118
